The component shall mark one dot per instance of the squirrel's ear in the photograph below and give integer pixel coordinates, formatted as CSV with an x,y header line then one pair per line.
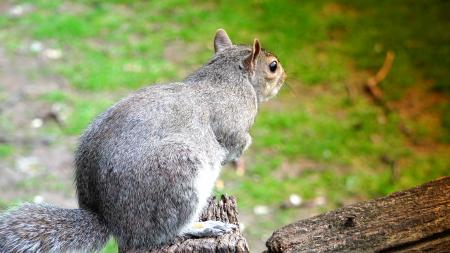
x,y
255,50
221,41
250,62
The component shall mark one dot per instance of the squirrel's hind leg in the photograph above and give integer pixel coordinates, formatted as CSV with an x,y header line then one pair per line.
x,y
209,228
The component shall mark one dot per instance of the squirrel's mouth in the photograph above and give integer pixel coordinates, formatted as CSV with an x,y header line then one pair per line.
x,y
275,89
280,83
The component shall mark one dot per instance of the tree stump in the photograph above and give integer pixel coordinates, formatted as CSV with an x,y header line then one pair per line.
x,y
415,220
223,210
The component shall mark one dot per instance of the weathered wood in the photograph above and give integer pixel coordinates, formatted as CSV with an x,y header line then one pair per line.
x,y
223,210
415,220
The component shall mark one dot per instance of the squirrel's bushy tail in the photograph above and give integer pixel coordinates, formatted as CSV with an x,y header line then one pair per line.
x,y
45,228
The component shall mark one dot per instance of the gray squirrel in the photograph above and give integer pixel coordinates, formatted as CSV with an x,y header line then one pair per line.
x,y
145,167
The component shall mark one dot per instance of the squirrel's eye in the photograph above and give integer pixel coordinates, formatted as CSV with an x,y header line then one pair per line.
x,y
273,66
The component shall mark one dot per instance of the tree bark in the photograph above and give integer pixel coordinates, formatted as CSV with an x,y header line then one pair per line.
x,y
415,220
223,210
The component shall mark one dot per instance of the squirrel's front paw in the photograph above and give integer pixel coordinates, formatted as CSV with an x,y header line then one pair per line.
x,y
209,228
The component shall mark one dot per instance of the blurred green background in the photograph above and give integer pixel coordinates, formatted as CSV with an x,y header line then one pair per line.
x,y
324,140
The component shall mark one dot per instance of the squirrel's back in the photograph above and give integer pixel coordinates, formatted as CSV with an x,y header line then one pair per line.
x,y
131,158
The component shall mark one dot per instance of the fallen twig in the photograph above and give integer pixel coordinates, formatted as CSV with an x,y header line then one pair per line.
x,y
372,84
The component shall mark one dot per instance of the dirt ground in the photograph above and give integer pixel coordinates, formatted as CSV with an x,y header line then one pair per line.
x,y
39,159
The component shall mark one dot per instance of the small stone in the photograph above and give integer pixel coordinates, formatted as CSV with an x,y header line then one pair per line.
x,y
28,165
19,10
295,200
37,123
261,210
52,53
36,47
38,199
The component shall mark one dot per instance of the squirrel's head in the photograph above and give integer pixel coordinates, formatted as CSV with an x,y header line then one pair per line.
x,y
262,68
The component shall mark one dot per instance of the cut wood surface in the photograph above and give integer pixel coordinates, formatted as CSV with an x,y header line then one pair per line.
x,y
223,210
415,220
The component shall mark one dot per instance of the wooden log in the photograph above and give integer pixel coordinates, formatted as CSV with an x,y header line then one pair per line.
x,y
415,220
223,210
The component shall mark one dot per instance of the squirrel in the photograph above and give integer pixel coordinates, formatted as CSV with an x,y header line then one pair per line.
x,y
145,167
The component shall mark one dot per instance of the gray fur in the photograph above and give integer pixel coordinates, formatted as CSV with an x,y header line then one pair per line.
x,y
138,164
45,228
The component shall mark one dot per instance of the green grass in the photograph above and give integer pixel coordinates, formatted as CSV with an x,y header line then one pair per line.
x,y
116,46
111,246
6,150
36,184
